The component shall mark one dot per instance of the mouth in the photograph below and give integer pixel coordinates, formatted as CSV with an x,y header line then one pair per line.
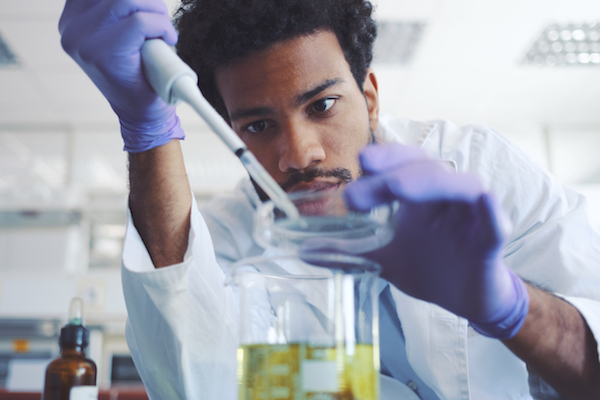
x,y
315,186
317,198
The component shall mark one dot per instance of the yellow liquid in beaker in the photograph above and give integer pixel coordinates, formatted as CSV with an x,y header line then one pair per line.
x,y
298,371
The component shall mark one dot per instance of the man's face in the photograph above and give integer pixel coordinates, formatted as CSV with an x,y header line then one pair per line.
x,y
298,108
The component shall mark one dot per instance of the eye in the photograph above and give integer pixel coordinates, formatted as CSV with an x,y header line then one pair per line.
x,y
257,126
322,105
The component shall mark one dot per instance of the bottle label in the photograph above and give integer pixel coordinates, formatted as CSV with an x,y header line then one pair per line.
x,y
84,393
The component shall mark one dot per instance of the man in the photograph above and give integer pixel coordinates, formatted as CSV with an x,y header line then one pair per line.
x,y
293,80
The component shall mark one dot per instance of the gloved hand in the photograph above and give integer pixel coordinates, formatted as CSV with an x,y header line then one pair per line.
x,y
448,241
105,37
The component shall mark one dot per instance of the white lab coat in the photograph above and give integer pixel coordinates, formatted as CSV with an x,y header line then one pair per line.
x,y
182,329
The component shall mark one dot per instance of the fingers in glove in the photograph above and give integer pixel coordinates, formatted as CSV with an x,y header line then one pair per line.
x,y
101,10
79,22
133,30
123,9
380,158
421,181
73,11
494,225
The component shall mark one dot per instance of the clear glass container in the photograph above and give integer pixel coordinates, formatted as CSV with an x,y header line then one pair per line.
x,y
308,327
325,223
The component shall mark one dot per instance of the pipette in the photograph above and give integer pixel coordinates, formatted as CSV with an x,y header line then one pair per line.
x,y
175,81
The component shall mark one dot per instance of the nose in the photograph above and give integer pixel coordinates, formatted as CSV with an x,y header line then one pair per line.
x,y
300,147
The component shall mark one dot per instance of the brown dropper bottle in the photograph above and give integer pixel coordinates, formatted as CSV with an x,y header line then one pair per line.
x,y
72,369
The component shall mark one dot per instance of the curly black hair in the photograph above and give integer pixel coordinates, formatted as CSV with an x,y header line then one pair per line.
x,y
213,33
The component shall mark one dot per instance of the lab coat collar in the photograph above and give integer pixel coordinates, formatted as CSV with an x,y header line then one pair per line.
x,y
404,131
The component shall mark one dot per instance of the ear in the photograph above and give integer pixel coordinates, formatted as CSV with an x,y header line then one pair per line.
x,y
372,97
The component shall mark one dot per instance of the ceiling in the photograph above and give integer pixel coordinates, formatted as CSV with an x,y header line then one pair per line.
x,y
466,67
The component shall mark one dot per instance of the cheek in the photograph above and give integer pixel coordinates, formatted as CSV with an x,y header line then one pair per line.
x,y
346,144
260,151
265,155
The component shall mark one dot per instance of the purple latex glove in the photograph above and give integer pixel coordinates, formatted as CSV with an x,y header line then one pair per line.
x,y
448,242
105,38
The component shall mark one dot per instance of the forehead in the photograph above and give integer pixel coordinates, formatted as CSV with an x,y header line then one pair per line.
x,y
284,70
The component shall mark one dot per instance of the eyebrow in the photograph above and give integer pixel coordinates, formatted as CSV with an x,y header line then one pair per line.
x,y
300,99
251,112
309,94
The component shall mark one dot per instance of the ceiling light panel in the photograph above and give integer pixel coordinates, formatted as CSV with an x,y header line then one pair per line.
x,y
397,41
7,56
567,44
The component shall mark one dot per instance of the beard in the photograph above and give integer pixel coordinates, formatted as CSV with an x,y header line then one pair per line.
x,y
342,174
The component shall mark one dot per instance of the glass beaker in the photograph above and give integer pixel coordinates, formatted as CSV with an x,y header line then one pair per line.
x,y
324,223
309,327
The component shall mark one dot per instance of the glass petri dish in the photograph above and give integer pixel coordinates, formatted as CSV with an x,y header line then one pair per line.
x,y
325,223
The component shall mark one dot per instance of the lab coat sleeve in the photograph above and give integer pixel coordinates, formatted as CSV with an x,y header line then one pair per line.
x,y
552,243
181,329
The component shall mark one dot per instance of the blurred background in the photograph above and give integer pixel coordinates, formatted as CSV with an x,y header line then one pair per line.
x,y
529,68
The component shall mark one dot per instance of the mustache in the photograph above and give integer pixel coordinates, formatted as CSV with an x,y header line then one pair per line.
x,y
343,174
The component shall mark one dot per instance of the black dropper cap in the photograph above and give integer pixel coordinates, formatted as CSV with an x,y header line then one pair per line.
x,y
74,333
